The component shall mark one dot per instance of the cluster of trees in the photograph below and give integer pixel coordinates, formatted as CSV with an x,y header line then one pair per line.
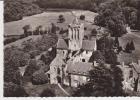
x,y
115,14
70,4
61,19
103,81
15,57
15,10
130,47
40,30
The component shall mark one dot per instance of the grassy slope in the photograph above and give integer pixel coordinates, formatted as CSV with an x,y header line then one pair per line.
x,y
45,19
136,53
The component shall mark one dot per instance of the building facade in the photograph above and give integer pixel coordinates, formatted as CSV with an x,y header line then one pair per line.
x,y
72,53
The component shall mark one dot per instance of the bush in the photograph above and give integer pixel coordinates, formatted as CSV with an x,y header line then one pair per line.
x,y
15,10
61,19
82,17
94,32
17,78
39,78
32,67
48,93
14,90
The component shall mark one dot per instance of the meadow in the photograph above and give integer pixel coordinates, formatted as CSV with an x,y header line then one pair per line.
x,y
45,19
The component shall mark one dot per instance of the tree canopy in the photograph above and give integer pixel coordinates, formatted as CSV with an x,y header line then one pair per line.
x,y
104,81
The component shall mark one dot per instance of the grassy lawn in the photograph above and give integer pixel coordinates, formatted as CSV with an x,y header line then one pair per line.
x,y
36,90
45,19
128,37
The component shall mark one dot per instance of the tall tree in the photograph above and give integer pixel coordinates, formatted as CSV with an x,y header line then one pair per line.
x,y
104,81
132,47
127,48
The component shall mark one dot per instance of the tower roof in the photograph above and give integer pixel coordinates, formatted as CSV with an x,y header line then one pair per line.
x,y
62,44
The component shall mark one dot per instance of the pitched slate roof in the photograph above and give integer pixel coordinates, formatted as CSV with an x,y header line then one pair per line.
x,y
62,44
86,45
79,67
89,44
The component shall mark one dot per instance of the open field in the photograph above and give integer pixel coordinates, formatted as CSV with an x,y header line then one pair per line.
x,y
131,37
45,19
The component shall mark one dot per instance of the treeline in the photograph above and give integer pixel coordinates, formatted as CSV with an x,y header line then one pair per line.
x,y
70,4
113,14
16,9
117,14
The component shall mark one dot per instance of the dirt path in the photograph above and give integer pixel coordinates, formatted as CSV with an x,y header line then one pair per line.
x,y
63,90
134,34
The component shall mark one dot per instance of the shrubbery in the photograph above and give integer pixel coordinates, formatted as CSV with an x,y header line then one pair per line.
x,y
39,77
13,58
14,90
82,17
15,10
61,19
48,93
31,68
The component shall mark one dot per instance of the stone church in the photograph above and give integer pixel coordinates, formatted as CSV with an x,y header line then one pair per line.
x,y
71,64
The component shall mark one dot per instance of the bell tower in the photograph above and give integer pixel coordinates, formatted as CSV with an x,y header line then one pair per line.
x,y
76,34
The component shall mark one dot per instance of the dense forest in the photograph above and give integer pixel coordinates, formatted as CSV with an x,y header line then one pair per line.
x,y
16,9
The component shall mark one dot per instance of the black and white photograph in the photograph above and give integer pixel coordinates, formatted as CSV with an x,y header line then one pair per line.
x,y
71,48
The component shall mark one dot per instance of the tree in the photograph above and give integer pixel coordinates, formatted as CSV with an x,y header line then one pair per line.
x,y
102,82
82,17
110,57
97,56
94,32
116,42
53,28
132,47
17,78
39,77
127,48
31,68
13,58
48,93
61,19
14,90
105,43
26,29
15,10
